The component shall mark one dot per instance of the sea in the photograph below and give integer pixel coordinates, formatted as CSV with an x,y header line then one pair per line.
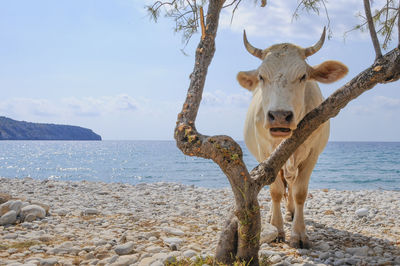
x,y
342,165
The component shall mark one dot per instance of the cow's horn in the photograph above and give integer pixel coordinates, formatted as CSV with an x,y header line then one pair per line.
x,y
313,49
250,48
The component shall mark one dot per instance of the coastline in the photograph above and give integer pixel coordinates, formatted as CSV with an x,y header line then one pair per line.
x,y
96,223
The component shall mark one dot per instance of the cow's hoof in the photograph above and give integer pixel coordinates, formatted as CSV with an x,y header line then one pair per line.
x,y
300,242
280,237
289,216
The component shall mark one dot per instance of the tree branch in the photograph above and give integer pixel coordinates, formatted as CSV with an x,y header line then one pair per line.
x,y
398,25
372,30
384,70
203,27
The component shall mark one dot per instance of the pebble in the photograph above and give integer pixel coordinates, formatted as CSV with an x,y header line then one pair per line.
x,y
35,210
173,231
4,197
189,253
124,249
88,222
268,234
362,212
9,217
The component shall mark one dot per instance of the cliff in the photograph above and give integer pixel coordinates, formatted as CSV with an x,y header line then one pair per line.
x,y
20,130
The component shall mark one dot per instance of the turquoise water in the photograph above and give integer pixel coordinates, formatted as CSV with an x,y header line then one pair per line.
x,y
343,165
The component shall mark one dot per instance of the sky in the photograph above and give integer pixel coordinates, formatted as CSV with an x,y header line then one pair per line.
x,y
104,65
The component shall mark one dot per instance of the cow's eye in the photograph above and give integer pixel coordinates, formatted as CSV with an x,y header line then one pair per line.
x,y
260,78
303,78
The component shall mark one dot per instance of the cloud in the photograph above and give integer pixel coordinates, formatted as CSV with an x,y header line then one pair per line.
x,y
221,99
73,106
276,23
380,105
387,103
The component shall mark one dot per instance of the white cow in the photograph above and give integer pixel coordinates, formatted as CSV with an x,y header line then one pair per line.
x,y
284,90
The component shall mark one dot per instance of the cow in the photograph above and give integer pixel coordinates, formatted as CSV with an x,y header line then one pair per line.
x,y
285,89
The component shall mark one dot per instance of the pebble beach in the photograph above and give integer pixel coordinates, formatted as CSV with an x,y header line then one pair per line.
x,y
48,222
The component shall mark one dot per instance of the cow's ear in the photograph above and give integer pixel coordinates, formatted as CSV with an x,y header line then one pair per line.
x,y
248,79
328,71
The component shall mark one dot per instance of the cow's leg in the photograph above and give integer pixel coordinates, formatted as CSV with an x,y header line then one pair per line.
x,y
289,204
277,189
299,238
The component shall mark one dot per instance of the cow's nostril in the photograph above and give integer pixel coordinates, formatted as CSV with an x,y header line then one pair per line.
x,y
271,117
289,117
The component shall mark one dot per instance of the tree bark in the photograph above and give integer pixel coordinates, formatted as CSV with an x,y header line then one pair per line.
x,y
223,150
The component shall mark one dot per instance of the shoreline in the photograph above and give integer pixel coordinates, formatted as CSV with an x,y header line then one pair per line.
x,y
97,223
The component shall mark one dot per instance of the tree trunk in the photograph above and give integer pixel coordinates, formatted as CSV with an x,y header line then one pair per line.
x,y
240,238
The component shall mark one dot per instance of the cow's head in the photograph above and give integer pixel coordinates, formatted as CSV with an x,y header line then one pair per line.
x,y
282,78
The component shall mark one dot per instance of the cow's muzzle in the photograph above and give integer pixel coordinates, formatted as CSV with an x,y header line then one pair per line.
x,y
280,123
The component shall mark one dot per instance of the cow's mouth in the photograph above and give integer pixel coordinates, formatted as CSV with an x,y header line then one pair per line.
x,y
280,131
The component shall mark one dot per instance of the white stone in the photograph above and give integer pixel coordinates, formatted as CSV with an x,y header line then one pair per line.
x,y
91,211
324,246
173,241
268,234
16,206
48,262
173,231
8,218
124,249
146,261
362,212
36,210
358,251
125,260
189,253
275,258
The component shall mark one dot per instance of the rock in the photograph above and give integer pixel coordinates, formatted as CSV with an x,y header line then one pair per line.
x,y
173,231
4,197
61,212
153,249
146,261
44,206
362,212
124,249
157,263
125,260
5,207
173,242
8,218
90,211
339,254
48,262
30,218
358,251
10,236
189,253
275,258
16,206
268,234
324,255
323,246
36,210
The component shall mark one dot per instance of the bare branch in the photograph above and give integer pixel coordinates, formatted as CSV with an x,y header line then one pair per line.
x,y
398,25
372,30
234,9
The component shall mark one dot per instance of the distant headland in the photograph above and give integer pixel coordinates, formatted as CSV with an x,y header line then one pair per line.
x,y
20,130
